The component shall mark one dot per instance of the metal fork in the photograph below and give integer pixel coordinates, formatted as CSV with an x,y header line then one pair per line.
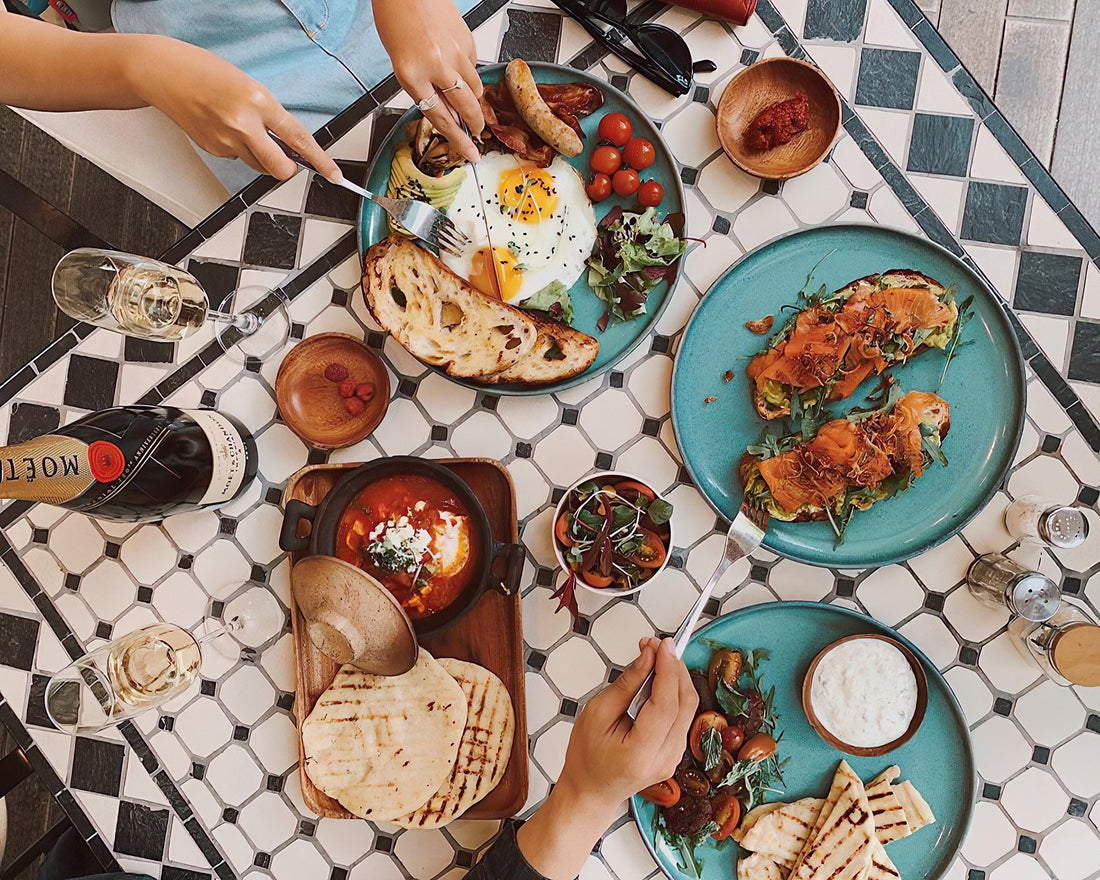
x,y
745,534
418,218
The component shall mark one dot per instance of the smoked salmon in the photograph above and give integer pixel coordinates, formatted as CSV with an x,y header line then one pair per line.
x,y
849,462
839,340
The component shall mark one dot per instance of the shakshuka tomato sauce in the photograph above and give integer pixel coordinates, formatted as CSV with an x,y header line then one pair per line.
x,y
413,535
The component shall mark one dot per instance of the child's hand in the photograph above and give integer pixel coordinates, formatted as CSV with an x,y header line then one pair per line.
x,y
223,110
432,51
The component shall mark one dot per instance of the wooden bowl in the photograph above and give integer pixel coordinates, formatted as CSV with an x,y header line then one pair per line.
x,y
865,751
762,84
311,405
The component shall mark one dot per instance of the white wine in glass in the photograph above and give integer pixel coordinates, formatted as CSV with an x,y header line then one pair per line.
x,y
153,664
149,299
122,678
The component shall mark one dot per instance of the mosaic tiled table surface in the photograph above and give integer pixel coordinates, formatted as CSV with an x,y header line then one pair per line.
x,y
210,783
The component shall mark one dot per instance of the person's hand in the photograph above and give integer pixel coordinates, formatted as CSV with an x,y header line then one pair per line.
x,y
610,758
225,111
433,54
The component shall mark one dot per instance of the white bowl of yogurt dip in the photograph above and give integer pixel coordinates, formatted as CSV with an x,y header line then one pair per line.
x,y
865,694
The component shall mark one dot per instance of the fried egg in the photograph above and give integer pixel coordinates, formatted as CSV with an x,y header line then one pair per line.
x,y
450,545
540,221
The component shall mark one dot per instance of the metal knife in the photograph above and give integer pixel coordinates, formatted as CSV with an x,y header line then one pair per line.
x,y
484,212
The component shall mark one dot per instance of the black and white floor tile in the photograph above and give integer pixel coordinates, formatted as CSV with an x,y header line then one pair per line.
x,y
209,785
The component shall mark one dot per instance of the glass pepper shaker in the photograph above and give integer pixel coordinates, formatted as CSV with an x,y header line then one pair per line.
x,y
1037,519
1066,646
999,582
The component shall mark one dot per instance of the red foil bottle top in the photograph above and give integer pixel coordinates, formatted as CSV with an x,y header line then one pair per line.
x,y
106,460
735,11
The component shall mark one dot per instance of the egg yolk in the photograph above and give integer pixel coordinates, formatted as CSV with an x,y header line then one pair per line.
x,y
485,279
527,194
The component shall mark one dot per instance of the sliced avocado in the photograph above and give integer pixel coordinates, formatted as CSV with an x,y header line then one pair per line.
x,y
409,182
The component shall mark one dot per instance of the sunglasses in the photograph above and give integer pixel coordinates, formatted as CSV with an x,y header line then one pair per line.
x,y
660,53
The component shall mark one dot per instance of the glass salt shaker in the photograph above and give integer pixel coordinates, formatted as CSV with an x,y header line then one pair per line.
x,y
1036,519
999,582
1066,646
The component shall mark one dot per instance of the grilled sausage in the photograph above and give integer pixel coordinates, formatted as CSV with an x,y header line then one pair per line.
x,y
536,112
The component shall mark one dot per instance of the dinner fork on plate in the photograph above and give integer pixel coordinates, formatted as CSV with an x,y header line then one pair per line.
x,y
418,218
745,534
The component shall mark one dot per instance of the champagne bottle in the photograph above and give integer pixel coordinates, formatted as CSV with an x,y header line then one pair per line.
x,y
134,463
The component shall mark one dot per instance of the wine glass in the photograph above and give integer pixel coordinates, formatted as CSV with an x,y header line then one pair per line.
x,y
149,299
153,664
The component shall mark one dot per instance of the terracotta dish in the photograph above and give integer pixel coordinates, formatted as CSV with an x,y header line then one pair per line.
x,y
759,86
876,751
311,405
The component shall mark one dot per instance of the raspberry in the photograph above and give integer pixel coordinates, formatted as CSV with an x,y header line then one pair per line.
x,y
354,405
336,372
347,388
364,391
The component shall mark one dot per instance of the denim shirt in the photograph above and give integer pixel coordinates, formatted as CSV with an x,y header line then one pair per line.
x,y
315,56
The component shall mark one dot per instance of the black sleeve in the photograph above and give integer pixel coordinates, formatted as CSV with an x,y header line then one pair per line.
x,y
503,860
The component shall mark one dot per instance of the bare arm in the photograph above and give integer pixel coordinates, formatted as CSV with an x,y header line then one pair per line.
x,y
609,758
228,114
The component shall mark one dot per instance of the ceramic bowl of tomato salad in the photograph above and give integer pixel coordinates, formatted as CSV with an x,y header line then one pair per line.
x,y
612,533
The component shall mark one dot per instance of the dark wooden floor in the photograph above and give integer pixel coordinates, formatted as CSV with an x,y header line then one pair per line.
x,y
93,199
31,811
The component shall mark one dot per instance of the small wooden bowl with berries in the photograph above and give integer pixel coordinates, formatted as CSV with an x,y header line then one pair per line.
x,y
332,391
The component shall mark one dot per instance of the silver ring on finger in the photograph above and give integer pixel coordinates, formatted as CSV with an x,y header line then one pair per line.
x,y
459,84
428,103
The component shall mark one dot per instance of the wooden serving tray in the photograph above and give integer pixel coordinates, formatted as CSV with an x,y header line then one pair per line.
x,y
491,635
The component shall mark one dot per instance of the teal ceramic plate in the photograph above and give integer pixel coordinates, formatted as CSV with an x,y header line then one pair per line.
x,y
984,387
619,339
938,760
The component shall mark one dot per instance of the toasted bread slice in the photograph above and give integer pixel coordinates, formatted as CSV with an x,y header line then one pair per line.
x,y
930,321
560,352
444,321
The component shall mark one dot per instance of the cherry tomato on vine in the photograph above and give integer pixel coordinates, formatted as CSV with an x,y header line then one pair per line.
x,y
606,160
599,188
615,127
625,182
650,194
639,154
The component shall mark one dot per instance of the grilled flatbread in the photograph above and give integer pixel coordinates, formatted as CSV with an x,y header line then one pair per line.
x,y
781,835
382,745
752,817
917,812
835,789
444,321
890,821
483,753
842,848
881,868
758,867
